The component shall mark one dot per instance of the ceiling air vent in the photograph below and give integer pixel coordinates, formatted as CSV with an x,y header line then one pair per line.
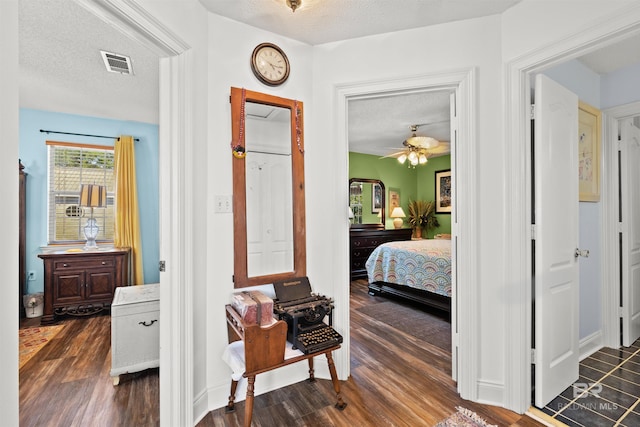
x,y
117,63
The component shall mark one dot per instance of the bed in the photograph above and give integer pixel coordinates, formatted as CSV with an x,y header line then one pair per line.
x,y
419,270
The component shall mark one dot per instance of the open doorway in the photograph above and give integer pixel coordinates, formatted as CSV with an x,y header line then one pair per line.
x,y
175,64
388,135
602,304
461,84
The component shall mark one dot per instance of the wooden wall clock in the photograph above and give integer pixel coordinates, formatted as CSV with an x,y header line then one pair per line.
x,y
270,64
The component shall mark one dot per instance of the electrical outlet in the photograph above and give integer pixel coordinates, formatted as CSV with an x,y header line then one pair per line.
x,y
31,275
222,204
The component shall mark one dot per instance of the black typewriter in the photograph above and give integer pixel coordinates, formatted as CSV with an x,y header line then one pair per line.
x,y
304,313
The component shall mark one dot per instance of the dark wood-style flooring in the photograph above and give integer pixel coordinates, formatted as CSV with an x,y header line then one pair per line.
x,y
396,380
67,382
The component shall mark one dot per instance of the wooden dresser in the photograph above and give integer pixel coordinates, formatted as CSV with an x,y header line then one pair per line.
x,y
363,241
82,283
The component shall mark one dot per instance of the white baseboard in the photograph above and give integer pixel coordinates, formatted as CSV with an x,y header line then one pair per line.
x,y
591,344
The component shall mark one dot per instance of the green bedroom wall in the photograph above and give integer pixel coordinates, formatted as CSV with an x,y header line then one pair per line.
x,y
413,184
427,188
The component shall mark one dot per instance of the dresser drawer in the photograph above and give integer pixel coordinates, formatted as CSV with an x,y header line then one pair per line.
x,y
82,264
363,243
361,253
368,242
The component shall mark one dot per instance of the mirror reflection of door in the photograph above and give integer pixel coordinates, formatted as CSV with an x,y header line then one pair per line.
x,y
268,190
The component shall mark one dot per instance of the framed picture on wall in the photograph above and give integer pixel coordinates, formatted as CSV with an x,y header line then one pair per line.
x,y
376,198
589,119
443,191
394,198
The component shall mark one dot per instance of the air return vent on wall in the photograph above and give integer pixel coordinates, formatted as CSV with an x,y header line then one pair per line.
x,y
117,63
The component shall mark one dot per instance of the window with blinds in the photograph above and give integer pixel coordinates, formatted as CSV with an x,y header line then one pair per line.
x,y
70,166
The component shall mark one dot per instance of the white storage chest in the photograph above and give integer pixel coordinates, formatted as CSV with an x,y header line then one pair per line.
x,y
135,329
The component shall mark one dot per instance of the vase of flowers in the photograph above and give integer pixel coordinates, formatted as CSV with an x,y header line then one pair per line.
x,y
422,215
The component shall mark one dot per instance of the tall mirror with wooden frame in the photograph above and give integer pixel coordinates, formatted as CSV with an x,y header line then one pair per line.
x,y
268,188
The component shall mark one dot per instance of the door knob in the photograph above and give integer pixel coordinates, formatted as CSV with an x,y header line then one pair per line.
x,y
582,252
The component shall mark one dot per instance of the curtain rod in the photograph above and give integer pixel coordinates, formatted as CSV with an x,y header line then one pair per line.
x,y
84,134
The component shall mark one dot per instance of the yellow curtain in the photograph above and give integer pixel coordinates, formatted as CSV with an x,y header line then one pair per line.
x,y
127,223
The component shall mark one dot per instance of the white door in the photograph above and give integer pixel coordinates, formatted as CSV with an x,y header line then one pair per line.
x,y
556,237
270,235
630,217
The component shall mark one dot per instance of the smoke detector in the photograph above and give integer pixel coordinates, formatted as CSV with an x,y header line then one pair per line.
x,y
116,63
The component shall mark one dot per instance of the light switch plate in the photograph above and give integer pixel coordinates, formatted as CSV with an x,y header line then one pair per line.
x,y
223,204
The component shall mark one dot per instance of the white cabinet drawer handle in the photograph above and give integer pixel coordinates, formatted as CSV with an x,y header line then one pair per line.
x,y
148,324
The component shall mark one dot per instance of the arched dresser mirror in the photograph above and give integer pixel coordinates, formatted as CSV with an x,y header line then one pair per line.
x,y
268,188
367,201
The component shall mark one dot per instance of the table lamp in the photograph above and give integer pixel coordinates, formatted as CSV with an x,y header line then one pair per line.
x,y
92,196
397,213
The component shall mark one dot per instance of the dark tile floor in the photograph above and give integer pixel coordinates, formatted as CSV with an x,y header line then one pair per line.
x,y
607,393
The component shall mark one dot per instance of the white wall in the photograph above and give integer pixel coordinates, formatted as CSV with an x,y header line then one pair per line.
x,y
230,48
433,50
531,25
9,217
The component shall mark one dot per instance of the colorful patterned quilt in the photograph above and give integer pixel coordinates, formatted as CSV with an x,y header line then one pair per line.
x,y
422,264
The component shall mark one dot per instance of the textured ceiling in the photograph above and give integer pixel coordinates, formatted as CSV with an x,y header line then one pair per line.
x,y
322,21
379,125
61,68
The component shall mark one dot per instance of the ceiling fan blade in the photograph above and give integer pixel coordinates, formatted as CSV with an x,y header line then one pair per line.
x,y
397,153
442,148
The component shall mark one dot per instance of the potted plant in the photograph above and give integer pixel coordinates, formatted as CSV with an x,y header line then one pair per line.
x,y
422,214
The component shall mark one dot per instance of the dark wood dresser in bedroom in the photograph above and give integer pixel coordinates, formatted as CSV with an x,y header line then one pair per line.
x,y
82,282
363,241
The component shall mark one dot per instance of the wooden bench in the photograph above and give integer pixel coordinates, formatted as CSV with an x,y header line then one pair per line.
x,y
264,350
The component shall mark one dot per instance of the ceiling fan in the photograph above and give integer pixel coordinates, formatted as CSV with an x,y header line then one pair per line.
x,y
419,148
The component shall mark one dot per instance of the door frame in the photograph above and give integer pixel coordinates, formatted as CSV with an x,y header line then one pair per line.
x,y
610,203
176,238
517,181
464,232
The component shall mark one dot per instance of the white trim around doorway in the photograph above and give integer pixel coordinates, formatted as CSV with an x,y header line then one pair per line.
x,y
464,230
176,237
610,229
517,239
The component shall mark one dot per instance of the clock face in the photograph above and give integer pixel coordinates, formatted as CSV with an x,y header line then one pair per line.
x,y
270,64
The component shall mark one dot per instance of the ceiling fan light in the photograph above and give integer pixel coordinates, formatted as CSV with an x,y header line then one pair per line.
x,y
294,4
402,158
413,157
414,161
422,159
422,141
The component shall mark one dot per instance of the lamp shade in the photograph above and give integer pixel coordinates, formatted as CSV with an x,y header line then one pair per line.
x,y
397,212
93,196
351,215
